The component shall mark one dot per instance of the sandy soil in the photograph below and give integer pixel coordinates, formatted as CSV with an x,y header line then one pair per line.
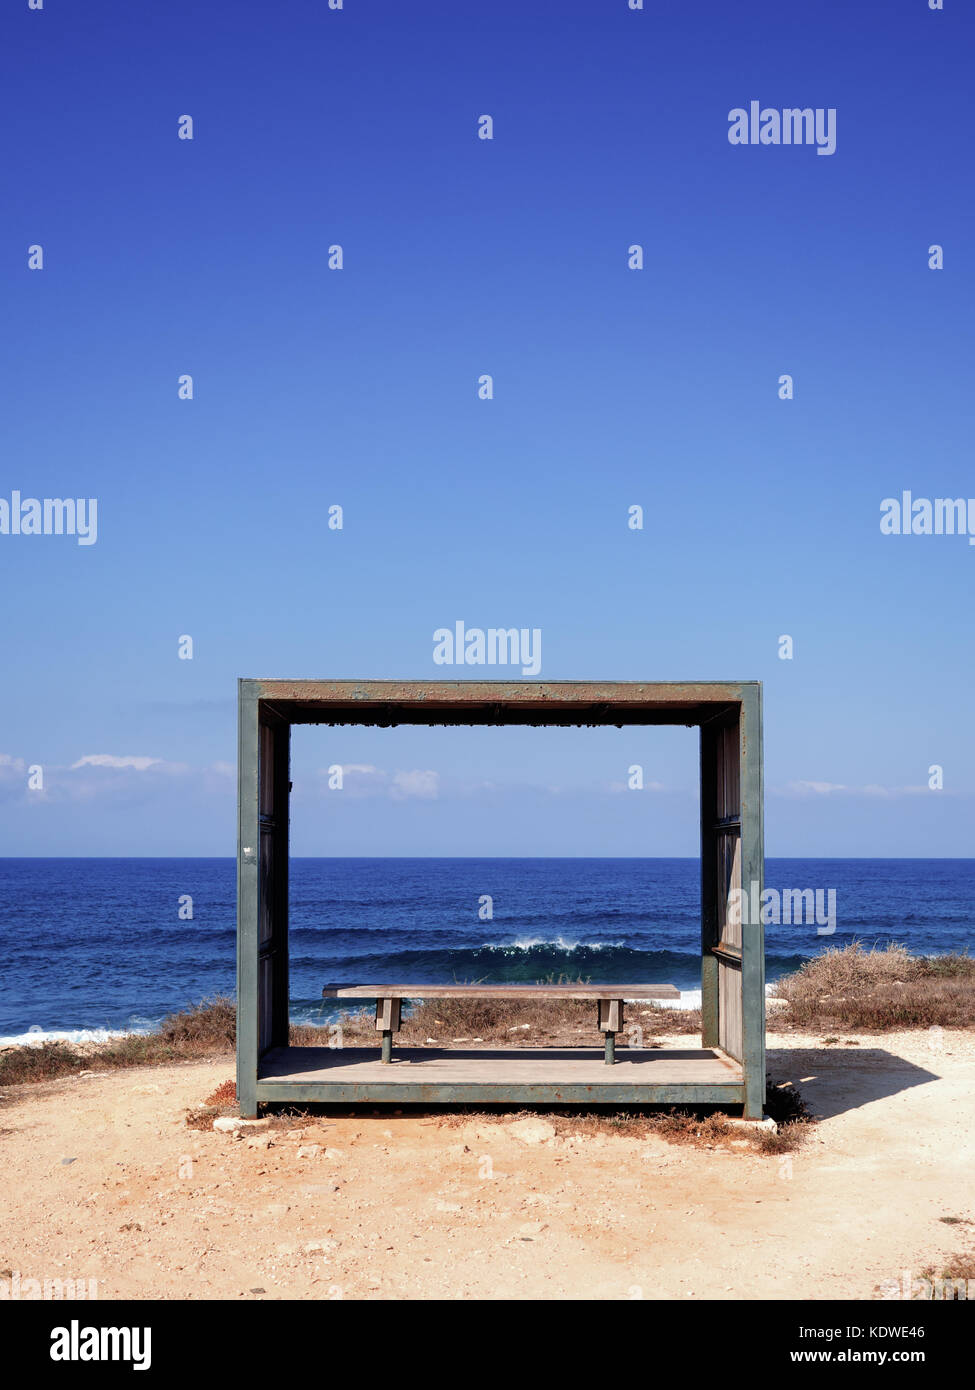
x,y
104,1181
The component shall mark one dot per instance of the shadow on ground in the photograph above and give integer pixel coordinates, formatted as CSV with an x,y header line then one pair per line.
x,y
834,1080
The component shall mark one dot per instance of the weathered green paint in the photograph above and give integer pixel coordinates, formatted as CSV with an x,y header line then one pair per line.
x,y
472,1093
752,871
248,846
610,1052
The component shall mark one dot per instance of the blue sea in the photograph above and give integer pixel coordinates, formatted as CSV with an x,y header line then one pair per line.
x,y
93,946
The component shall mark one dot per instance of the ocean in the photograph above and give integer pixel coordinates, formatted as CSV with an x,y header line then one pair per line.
x,y
95,946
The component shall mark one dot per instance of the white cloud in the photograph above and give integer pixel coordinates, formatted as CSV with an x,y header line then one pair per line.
x,y
425,784
111,760
616,787
814,788
113,780
792,789
363,779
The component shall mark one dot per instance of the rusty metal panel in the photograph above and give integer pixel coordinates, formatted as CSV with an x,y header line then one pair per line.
x,y
562,703
674,692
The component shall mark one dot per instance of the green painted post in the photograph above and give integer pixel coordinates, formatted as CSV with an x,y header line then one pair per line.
x,y
610,1056
387,1045
248,847
752,873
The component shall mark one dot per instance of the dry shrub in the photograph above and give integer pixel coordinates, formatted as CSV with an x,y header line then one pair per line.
x,y
314,1035
221,1101
225,1094
785,1139
208,1029
686,1127
202,1030
879,990
41,1063
953,1277
501,1020
957,965
701,1128
562,1022
954,1267
203,1116
298,1116
785,1105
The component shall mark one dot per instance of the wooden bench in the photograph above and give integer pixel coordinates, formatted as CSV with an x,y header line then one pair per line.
x,y
609,1002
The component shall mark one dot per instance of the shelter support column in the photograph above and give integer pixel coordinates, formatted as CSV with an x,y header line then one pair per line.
x,y
753,884
248,845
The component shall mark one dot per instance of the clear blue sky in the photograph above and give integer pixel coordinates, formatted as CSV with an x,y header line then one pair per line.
x,y
358,387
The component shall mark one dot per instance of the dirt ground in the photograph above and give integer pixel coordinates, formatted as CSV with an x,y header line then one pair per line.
x,y
104,1181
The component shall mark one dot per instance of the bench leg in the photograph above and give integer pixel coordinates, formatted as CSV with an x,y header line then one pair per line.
x,y
387,1023
610,1023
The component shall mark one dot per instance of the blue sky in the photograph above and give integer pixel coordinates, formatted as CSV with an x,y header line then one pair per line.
x,y
358,387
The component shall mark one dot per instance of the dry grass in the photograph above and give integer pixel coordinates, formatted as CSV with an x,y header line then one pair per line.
x,y
508,1022
208,1029
786,1107
224,1094
953,1267
699,1127
311,1035
204,1030
222,1100
204,1115
952,1278
849,989
878,990
703,1130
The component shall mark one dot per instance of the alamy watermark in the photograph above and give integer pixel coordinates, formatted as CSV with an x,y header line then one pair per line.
x,y
908,515
791,907
793,125
496,646
18,1287
77,1343
50,516
938,1290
